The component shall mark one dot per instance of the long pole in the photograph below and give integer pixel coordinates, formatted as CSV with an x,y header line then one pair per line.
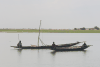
x,y
19,40
39,33
18,36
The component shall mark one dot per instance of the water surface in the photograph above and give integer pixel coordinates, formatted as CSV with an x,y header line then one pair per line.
x,y
10,57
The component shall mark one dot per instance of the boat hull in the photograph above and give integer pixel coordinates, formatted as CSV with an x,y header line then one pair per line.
x,y
80,48
29,47
44,47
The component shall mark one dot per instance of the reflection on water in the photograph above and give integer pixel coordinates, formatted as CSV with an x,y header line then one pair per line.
x,y
84,51
53,52
19,51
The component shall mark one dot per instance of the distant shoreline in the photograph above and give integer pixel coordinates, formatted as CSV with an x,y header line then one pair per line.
x,y
47,31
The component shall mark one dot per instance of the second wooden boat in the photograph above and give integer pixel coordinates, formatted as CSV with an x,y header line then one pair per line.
x,y
72,48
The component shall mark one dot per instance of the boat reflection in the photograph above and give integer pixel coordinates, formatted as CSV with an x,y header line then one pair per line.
x,y
53,52
19,51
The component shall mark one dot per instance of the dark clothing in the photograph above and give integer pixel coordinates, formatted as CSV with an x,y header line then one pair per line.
x,y
84,45
53,45
19,44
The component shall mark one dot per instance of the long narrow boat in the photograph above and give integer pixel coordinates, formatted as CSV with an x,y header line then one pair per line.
x,y
33,47
72,48
45,47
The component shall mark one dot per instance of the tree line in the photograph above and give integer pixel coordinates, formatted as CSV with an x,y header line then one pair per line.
x,y
95,28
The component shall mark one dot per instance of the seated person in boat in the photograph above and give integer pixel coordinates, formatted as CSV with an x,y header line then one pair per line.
x,y
84,44
53,45
19,44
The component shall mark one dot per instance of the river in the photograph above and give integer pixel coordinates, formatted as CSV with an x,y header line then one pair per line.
x,y
11,57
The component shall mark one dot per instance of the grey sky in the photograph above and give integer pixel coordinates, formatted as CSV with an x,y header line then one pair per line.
x,y
60,14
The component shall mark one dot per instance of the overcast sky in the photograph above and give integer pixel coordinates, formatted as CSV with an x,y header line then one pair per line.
x,y
55,14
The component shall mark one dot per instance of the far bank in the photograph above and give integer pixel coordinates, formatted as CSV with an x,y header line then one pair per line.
x,y
47,31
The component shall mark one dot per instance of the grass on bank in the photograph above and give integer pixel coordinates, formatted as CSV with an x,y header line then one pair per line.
x,y
48,31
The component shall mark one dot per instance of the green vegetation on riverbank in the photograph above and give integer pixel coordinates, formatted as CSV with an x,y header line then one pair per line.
x,y
47,31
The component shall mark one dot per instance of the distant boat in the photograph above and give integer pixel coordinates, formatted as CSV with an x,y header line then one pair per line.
x,y
72,48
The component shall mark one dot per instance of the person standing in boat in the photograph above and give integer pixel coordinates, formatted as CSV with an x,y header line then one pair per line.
x,y
19,45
